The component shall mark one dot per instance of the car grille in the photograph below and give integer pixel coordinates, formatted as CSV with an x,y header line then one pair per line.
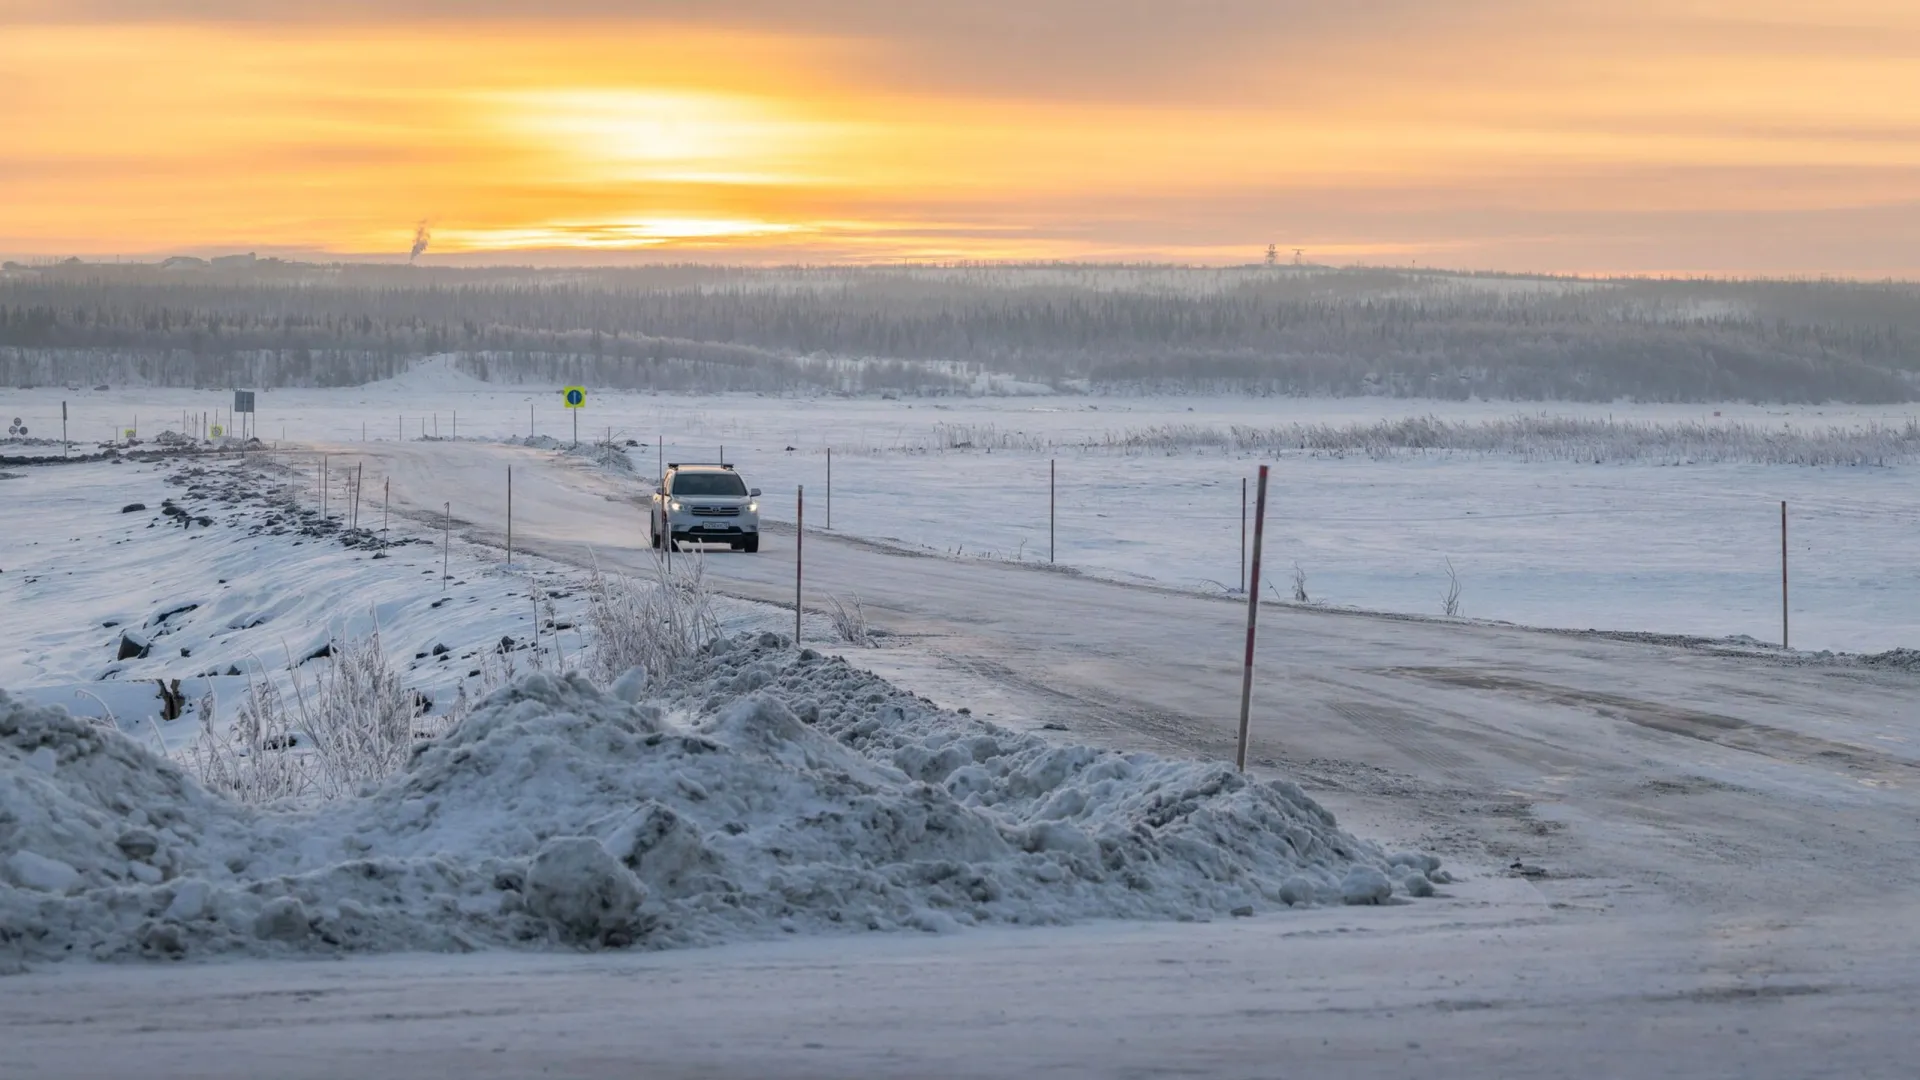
x,y
716,511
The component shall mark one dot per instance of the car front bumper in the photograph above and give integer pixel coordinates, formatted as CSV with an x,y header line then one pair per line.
x,y
718,528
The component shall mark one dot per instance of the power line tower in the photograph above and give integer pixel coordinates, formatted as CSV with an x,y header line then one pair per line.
x,y
1273,255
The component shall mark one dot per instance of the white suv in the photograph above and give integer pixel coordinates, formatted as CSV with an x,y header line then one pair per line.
x,y
706,504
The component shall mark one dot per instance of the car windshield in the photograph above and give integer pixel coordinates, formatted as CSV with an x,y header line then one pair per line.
x,y
708,483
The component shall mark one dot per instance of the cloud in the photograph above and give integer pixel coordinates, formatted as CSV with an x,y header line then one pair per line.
x,y
1111,49
1080,128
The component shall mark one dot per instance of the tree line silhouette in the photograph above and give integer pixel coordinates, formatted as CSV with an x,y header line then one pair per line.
x,y
939,330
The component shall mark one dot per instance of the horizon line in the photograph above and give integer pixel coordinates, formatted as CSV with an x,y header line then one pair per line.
x,y
40,262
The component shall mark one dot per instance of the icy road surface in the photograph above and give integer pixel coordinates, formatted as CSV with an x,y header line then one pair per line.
x,y
1718,853
1490,986
1722,778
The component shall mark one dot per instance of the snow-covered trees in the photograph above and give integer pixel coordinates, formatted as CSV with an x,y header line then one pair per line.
x,y
933,329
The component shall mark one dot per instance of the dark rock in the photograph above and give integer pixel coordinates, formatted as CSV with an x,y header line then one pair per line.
x,y
138,844
439,649
320,653
171,612
162,939
283,919
1244,911
133,508
132,647
172,701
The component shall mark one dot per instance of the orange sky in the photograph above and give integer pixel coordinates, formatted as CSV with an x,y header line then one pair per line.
x,y
1686,135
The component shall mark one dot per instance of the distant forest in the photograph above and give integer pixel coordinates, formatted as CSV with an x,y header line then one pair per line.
x,y
956,330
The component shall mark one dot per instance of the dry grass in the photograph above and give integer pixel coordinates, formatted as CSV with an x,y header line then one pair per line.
x,y
850,623
355,723
657,626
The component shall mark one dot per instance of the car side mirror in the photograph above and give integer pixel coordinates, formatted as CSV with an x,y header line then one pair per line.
x,y
753,493
659,491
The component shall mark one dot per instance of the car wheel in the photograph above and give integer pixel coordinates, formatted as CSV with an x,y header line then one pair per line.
x,y
655,530
751,544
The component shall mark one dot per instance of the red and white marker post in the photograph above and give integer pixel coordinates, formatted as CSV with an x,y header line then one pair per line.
x,y
1253,619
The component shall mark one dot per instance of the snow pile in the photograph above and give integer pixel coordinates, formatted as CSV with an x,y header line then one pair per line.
x,y
607,455
764,790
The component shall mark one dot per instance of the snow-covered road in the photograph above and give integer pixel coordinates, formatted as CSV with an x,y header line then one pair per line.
x,y
1719,857
1721,778
1490,986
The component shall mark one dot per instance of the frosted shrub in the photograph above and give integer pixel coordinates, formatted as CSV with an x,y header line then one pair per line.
x,y
657,625
361,718
356,723
253,762
497,669
850,623
1450,600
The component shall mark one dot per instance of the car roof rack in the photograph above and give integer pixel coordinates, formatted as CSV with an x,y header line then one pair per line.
x,y
705,464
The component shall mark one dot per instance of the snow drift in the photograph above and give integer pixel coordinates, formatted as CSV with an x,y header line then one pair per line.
x,y
762,790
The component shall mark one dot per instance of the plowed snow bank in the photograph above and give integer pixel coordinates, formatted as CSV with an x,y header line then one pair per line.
x,y
764,790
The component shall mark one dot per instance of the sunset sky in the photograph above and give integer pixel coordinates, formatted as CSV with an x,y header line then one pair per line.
x,y
1751,137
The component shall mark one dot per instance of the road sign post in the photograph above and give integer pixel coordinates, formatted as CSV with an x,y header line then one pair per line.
x,y
575,398
243,406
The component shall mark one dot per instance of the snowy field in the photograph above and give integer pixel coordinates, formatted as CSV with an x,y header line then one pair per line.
x,y
1667,845
126,596
752,790
1662,543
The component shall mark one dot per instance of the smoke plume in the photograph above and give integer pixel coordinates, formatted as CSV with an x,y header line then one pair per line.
x,y
421,238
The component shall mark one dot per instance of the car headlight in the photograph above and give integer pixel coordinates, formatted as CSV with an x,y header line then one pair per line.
x,y
674,505
753,508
